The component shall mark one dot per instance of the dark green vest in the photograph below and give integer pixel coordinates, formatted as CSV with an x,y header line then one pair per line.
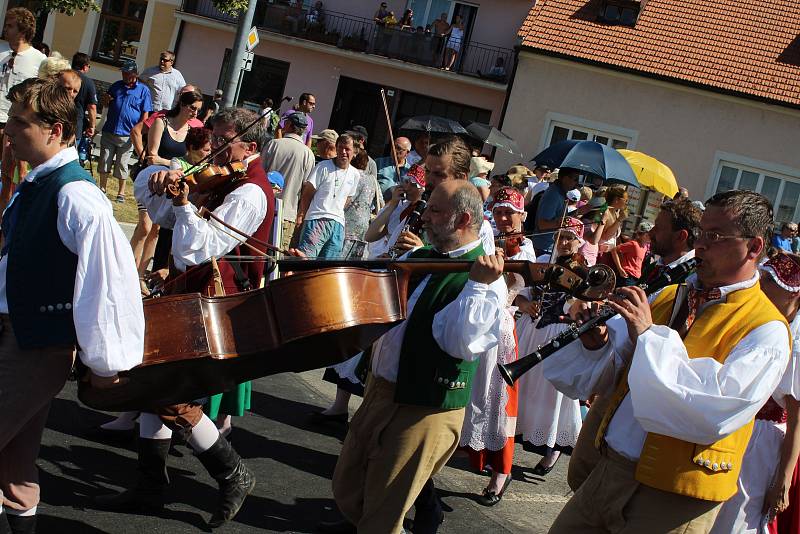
x,y
40,277
427,375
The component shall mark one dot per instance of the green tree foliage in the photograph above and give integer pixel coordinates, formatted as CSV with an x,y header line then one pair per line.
x,y
231,7
69,7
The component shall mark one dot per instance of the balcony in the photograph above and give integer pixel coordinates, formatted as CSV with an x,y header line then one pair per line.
x,y
361,34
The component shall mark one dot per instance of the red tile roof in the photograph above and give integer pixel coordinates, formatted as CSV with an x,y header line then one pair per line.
x,y
746,47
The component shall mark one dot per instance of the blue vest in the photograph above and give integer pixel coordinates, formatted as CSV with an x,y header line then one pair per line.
x,y
40,275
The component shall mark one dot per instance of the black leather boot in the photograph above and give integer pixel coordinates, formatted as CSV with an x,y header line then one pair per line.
x,y
153,479
21,524
234,479
428,514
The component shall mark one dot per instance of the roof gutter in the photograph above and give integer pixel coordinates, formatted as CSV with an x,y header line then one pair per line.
x,y
659,77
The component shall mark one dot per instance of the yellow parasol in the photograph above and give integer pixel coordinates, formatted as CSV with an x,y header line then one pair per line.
x,y
651,173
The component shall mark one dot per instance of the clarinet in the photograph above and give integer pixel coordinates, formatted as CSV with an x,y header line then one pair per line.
x,y
512,371
413,223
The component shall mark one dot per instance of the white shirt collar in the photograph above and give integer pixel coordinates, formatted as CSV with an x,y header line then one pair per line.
x,y
686,257
63,157
463,250
725,290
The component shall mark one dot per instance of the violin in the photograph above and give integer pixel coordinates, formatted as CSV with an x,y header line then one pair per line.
x,y
209,177
509,242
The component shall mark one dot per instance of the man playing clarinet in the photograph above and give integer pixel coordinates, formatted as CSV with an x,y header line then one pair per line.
x,y
686,371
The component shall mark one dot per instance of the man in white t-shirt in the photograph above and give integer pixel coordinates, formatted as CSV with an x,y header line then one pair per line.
x,y
19,61
326,192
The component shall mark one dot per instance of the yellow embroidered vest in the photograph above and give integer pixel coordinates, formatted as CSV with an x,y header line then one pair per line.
x,y
707,472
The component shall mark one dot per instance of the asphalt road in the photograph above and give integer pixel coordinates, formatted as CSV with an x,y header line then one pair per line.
x,y
293,462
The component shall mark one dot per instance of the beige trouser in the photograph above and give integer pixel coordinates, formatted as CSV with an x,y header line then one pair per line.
x,y
585,455
389,453
29,379
611,501
287,234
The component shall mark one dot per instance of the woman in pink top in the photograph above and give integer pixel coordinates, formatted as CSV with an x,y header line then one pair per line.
x,y
628,257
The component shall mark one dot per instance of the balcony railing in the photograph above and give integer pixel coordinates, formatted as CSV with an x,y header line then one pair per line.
x,y
361,34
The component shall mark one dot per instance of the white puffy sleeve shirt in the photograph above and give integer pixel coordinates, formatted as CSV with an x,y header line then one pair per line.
x,y
107,304
196,240
466,328
692,399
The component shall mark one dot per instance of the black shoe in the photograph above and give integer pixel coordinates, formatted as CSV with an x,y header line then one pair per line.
x,y
490,498
428,513
20,524
148,493
234,479
343,526
541,470
319,418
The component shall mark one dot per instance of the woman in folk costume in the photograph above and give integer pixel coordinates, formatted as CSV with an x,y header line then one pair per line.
x,y
767,482
491,416
548,421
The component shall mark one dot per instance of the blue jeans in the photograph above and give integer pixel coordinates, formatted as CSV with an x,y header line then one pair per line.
x,y
322,238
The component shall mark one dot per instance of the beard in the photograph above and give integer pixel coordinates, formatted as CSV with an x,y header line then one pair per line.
x,y
442,238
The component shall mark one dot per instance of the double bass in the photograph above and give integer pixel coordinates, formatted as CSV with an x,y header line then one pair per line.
x,y
323,314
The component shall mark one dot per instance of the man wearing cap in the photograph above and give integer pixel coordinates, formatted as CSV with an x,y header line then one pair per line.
x,y
163,80
361,136
306,104
325,145
128,102
290,156
387,173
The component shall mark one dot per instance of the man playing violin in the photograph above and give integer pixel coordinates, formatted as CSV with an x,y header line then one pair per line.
x,y
67,280
686,371
246,202
409,423
447,160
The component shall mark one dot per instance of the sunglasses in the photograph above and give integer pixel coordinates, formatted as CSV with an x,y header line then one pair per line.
x,y
9,65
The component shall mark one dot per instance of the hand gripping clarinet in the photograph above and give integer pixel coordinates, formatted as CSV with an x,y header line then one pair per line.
x,y
512,371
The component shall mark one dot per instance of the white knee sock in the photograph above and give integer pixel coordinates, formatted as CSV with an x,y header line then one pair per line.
x,y
204,435
23,513
151,427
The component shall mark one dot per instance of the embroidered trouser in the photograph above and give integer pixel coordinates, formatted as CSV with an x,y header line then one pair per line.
x,y
390,452
29,379
611,501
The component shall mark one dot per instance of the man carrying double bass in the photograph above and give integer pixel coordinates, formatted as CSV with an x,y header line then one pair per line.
x,y
246,203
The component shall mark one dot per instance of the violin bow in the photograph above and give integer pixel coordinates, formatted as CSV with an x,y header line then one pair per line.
x,y
391,134
205,213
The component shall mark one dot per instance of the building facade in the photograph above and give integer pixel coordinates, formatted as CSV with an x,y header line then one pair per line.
x,y
710,88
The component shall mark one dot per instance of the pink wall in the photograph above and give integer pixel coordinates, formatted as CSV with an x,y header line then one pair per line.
x,y
202,50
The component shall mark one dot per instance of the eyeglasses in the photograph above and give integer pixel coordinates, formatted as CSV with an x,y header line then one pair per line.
x,y
714,237
165,60
219,140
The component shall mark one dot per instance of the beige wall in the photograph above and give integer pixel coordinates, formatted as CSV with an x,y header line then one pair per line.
x,y
164,22
683,127
202,50
67,33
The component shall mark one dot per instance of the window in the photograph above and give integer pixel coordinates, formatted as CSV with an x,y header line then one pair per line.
x,y
623,12
562,132
119,30
783,191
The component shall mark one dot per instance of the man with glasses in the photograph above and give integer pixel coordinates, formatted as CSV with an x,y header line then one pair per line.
x,y
246,203
685,371
163,80
387,173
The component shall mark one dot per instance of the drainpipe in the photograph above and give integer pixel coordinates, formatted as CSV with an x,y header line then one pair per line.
x,y
233,76
509,88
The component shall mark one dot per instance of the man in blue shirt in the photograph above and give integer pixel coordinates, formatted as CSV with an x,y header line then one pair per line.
x,y
784,240
551,209
387,174
128,102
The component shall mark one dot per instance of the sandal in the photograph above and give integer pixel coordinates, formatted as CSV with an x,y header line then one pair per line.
x,y
145,291
120,198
